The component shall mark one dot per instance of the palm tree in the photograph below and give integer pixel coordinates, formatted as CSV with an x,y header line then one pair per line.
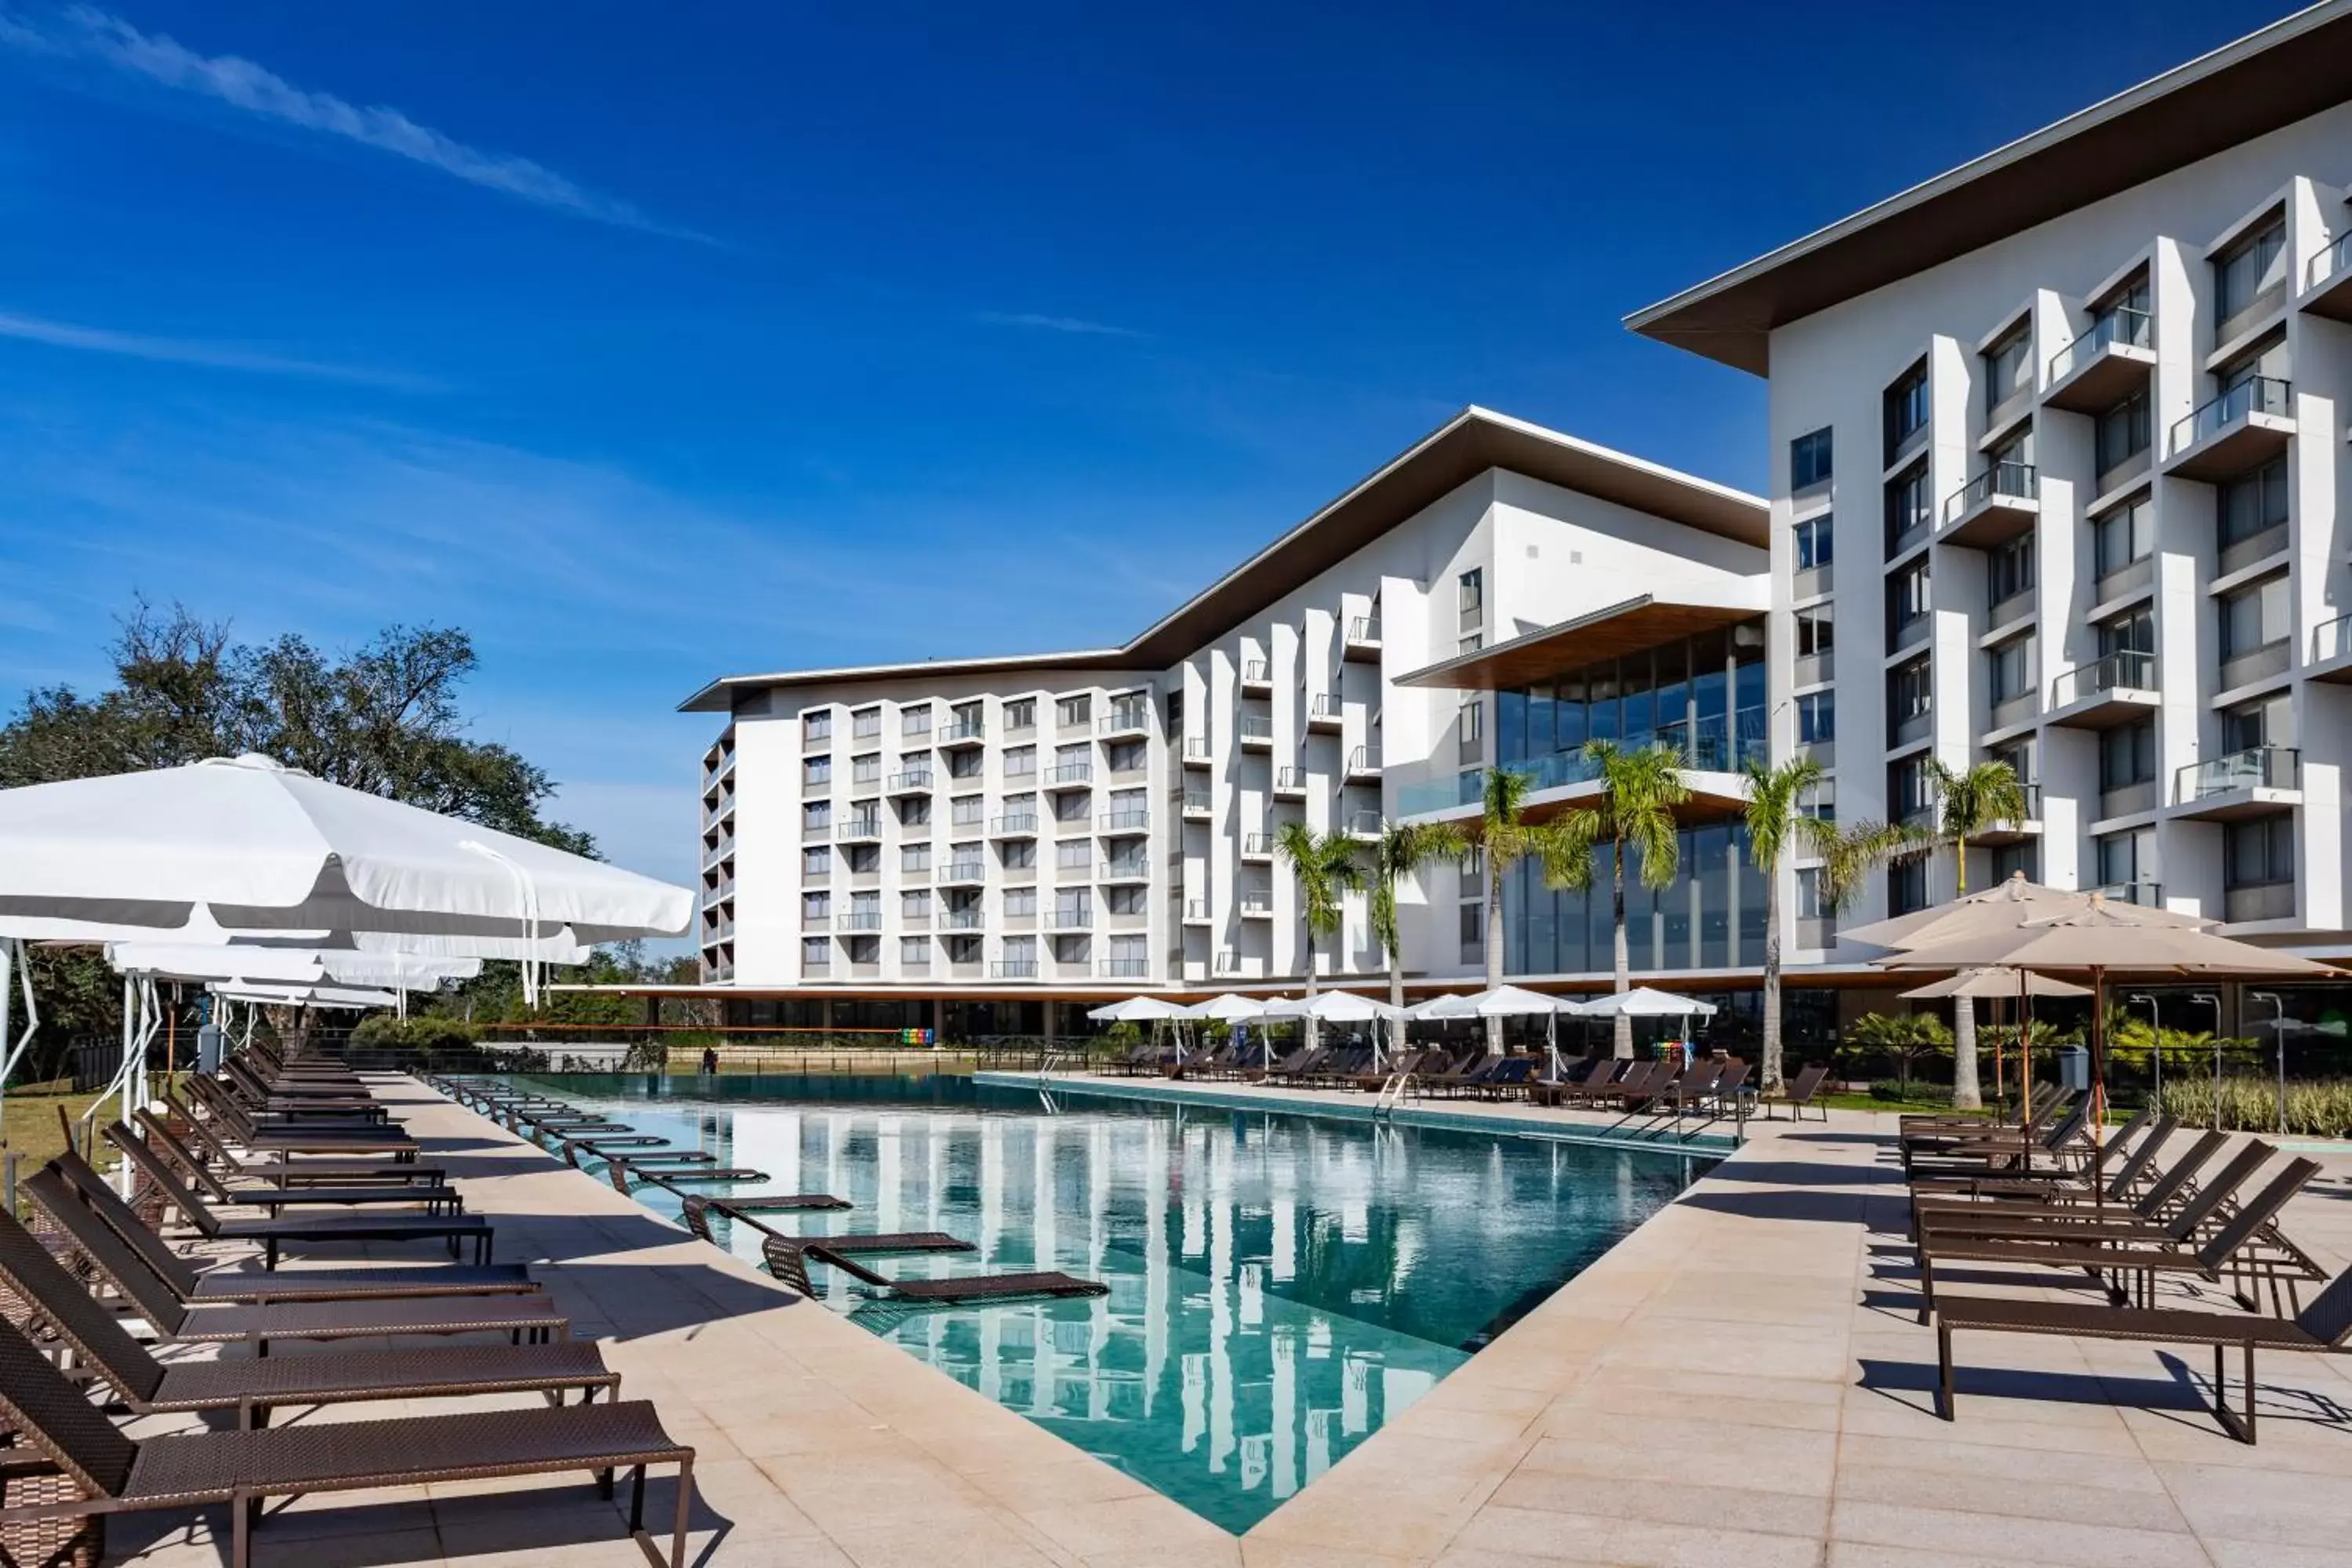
x,y
1639,792
1505,837
1404,847
1971,802
1324,863
1778,825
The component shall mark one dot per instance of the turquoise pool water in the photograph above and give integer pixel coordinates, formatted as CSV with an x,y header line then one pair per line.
x,y
1280,1285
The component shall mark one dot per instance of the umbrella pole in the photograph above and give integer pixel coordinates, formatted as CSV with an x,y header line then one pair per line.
x,y
2098,1087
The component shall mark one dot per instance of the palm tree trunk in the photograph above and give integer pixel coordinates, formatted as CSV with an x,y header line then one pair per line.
x,y
1622,1041
1494,948
1968,1092
1311,1031
1768,1067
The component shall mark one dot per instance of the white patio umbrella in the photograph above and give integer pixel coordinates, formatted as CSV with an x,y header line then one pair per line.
x,y
308,996
1227,1008
1336,1008
1502,1002
1139,1010
1643,1002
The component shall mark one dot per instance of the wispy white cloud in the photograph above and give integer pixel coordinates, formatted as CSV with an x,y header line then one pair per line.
x,y
84,32
1073,324
188,351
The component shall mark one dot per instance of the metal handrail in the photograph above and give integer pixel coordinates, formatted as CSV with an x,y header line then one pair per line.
x,y
1070,773
2126,670
1364,629
1258,672
2256,767
2119,324
2255,394
1124,821
2006,478
1364,759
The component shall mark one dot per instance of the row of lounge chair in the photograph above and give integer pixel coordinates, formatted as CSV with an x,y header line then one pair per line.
x,y
625,1156
2148,1205
312,1156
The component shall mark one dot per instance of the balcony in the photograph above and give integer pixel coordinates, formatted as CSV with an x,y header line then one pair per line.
x,y
1363,765
1999,504
962,873
2327,281
2256,782
1258,678
1363,825
2107,692
1124,871
1196,751
1070,775
1226,963
1257,848
1123,824
1363,639
963,733
1021,827
1290,784
2106,364
1123,968
1196,912
1125,719
2331,650
1078,917
2026,826
1257,732
859,830
1196,807
1256,904
915,782
2246,425
1013,968
962,919
1323,711
858,920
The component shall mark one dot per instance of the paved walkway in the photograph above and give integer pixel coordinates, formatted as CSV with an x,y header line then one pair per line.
x,y
1740,1381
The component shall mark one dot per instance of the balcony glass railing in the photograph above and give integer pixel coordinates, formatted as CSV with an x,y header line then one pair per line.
x,y
964,919
1290,779
1196,803
1256,901
2133,329
2256,767
1256,727
1124,821
1125,968
1196,909
909,782
858,920
2329,638
1364,629
1075,917
860,827
1196,749
1258,672
1070,773
1323,709
1124,871
1014,969
1125,716
1703,754
1364,824
1364,759
2007,480
963,730
1026,823
2123,672
2331,262
2255,394
964,871
1258,844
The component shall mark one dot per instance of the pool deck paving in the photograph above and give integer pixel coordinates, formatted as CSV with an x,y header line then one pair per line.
x,y
1741,1381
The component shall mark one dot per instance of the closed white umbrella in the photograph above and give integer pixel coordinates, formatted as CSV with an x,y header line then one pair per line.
x,y
308,996
1139,1010
1502,1002
1336,1008
1227,1008
1642,1001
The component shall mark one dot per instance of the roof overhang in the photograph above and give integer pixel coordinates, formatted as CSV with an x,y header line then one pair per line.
x,y
1631,626
1470,444
2288,71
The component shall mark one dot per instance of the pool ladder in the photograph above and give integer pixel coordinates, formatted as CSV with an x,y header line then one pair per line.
x,y
1392,1094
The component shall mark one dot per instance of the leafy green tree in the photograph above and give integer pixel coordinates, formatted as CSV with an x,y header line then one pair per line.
x,y
1404,847
1324,866
1779,825
1971,802
1635,817
1908,1037
1505,837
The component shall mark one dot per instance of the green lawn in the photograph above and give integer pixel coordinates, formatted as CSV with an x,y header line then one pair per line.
x,y
32,1131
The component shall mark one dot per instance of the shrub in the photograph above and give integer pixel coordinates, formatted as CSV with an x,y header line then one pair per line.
x,y
2320,1109
381,1032
1896,1091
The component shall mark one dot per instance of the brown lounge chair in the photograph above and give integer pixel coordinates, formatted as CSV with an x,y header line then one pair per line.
x,y
284,1140
519,1317
275,1198
2070,1195
2059,1184
196,1285
2218,1254
273,1234
787,1260
254,1387
1798,1093
118,1474
2325,1325
2047,1099
299,1172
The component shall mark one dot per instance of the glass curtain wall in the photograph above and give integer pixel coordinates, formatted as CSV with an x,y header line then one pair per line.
x,y
1703,696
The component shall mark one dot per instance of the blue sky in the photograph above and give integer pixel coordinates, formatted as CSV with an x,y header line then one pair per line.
x,y
653,343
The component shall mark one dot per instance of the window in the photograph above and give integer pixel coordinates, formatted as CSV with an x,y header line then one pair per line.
x,y
1810,901
1908,599
1021,808
2251,503
1907,884
963,950
1128,955
915,721
1073,763
1906,409
816,908
1020,901
1020,855
966,763
1910,690
1470,725
2268,722
863,858
2255,617
914,951
915,903
1819,801
1909,507
915,811
1816,631
2009,669
1020,761
1073,855
1070,711
1071,806
816,860
1020,714
2128,755
816,951
2258,852
1021,953
1816,717
865,911
2135,633
816,725
867,769
1815,539
816,816
914,857
2019,859
1809,461
816,770
865,723
1124,901
1125,756
2126,534
2008,367
966,811
2267,358
1073,906
2118,859
965,717
1472,929
2120,433
2009,569
2249,269
1910,790
1470,599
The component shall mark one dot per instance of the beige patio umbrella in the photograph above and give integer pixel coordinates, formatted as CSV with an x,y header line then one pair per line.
x,y
1993,982
2097,938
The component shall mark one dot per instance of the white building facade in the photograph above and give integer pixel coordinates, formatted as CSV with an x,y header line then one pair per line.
x,y
2058,477
955,843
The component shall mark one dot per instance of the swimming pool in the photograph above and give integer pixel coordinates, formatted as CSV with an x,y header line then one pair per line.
x,y
1280,1284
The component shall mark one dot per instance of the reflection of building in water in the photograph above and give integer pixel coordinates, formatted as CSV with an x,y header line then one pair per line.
x,y
1278,1288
